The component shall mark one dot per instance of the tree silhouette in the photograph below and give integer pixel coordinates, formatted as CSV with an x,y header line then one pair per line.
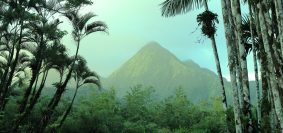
x,y
81,28
82,75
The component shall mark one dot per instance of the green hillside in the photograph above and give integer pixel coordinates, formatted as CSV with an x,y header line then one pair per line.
x,y
154,66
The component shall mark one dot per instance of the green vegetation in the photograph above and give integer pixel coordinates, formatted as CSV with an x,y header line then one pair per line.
x,y
138,112
31,47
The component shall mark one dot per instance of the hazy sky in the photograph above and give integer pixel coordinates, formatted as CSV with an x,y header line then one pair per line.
x,y
133,23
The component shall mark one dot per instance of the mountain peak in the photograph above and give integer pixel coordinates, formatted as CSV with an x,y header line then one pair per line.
x,y
156,66
154,51
153,46
152,59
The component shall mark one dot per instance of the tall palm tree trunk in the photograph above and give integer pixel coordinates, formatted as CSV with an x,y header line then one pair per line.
x,y
232,62
224,99
218,67
238,57
273,116
37,94
239,75
265,78
32,103
67,112
255,66
36,72
7,68
279,13
273,81
7,84
275,54
236,10
264,99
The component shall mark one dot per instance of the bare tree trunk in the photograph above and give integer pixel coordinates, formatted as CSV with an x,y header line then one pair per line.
x,y
224,99
232,62
223,92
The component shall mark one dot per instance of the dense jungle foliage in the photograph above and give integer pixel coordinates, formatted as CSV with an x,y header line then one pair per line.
x,y
137,112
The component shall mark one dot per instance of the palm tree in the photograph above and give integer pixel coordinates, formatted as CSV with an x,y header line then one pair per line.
x,y
81,29
250,38
45,31
10,68
232,58
16,17
265,76
19,18
23,71
207,19
275,79
82,76
236,11
54,57
27,22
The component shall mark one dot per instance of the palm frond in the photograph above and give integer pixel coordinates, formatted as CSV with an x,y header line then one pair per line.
x,y
90,74
95,27
247,35
84,19
208,21
73,18
246,22
246,28
95,24
93,81
56,57
174,7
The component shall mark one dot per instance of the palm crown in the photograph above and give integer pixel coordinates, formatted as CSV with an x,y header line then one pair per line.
x,y
175,7
81,25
